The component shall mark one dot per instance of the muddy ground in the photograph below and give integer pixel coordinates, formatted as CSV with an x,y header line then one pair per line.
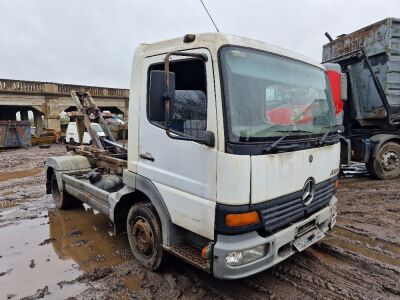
x,y
56,254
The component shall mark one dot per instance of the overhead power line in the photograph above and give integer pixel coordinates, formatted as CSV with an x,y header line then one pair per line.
x,y
209,15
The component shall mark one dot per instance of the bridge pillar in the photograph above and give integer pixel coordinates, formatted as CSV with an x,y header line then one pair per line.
x,y
126,109
38,121
53,113
53,123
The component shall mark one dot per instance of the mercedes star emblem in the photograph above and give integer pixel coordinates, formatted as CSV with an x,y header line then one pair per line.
x,y
308,191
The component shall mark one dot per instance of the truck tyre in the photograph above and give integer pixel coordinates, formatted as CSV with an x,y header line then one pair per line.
x,y
71,141
386,163
144,234
62,200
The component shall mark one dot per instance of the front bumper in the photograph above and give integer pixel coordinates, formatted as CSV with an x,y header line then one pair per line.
x,y
279,245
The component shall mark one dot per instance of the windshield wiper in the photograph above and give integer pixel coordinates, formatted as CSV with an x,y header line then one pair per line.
x,y
274,145
322,140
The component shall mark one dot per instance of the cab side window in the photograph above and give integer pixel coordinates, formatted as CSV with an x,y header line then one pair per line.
x,y
188,111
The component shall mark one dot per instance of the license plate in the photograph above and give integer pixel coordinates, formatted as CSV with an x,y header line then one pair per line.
x,y
308,239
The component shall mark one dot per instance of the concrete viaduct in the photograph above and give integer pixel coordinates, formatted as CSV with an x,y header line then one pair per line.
x,y
47,100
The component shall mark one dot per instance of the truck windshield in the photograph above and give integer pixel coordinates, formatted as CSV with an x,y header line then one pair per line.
x,y
269,96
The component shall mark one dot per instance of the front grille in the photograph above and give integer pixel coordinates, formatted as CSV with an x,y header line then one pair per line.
x,y
283,211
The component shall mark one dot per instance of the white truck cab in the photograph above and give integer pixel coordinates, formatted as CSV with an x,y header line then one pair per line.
x,y
233,156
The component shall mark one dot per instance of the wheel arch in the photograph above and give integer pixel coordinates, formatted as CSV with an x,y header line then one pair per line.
x,y
141,189
61,164
380,139
126,197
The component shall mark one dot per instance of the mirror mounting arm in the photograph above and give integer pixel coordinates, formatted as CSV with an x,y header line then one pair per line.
x,y
209,138
202,56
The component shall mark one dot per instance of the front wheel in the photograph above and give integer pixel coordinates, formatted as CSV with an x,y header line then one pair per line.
x,y
144,234
386,163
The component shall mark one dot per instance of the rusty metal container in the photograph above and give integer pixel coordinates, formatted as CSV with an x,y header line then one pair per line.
x,y
381,43
14,134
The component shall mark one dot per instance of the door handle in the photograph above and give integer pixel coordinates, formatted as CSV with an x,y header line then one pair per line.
x,y
147,156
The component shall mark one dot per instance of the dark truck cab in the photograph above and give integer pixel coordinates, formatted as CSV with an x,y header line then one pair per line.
x,y
370,59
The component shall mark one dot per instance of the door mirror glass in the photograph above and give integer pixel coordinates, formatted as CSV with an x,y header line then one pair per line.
x,y
157,95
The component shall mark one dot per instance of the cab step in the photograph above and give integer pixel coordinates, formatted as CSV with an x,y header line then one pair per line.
x,y
190,255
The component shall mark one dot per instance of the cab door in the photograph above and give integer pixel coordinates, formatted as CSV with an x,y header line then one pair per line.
x,y
184,172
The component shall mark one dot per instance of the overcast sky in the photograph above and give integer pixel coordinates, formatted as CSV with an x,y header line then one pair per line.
x,y
91,42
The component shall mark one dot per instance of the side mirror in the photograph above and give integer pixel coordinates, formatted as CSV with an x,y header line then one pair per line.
x,y
209,138
157,95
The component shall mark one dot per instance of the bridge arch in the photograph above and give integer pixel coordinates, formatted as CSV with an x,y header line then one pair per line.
x,y
47,100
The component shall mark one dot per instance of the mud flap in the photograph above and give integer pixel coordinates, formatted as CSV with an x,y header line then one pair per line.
x,y
308,239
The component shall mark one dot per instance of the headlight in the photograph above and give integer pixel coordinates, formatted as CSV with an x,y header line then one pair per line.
x,y
237,258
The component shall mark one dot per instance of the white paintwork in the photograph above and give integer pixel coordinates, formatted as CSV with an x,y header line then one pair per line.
x,y
188,211
136,92
275,175
233,179
72,132
184,172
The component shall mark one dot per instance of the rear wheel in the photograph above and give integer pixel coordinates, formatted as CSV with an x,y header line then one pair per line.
x,y
144,234
62,200
386,163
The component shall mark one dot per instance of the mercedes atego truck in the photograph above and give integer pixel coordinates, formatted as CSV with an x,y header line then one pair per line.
x,y
232,156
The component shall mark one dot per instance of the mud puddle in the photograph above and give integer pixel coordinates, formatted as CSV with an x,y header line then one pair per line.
x,y
86,236
30,267
132,283
58,248
20,174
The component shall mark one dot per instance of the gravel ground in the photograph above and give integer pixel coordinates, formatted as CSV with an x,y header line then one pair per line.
x,y
56,254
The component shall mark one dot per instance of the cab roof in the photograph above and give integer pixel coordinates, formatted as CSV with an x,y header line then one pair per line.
x,y
214,41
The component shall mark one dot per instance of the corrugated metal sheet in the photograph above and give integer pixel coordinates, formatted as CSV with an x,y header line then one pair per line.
x,y
381,41
15,134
